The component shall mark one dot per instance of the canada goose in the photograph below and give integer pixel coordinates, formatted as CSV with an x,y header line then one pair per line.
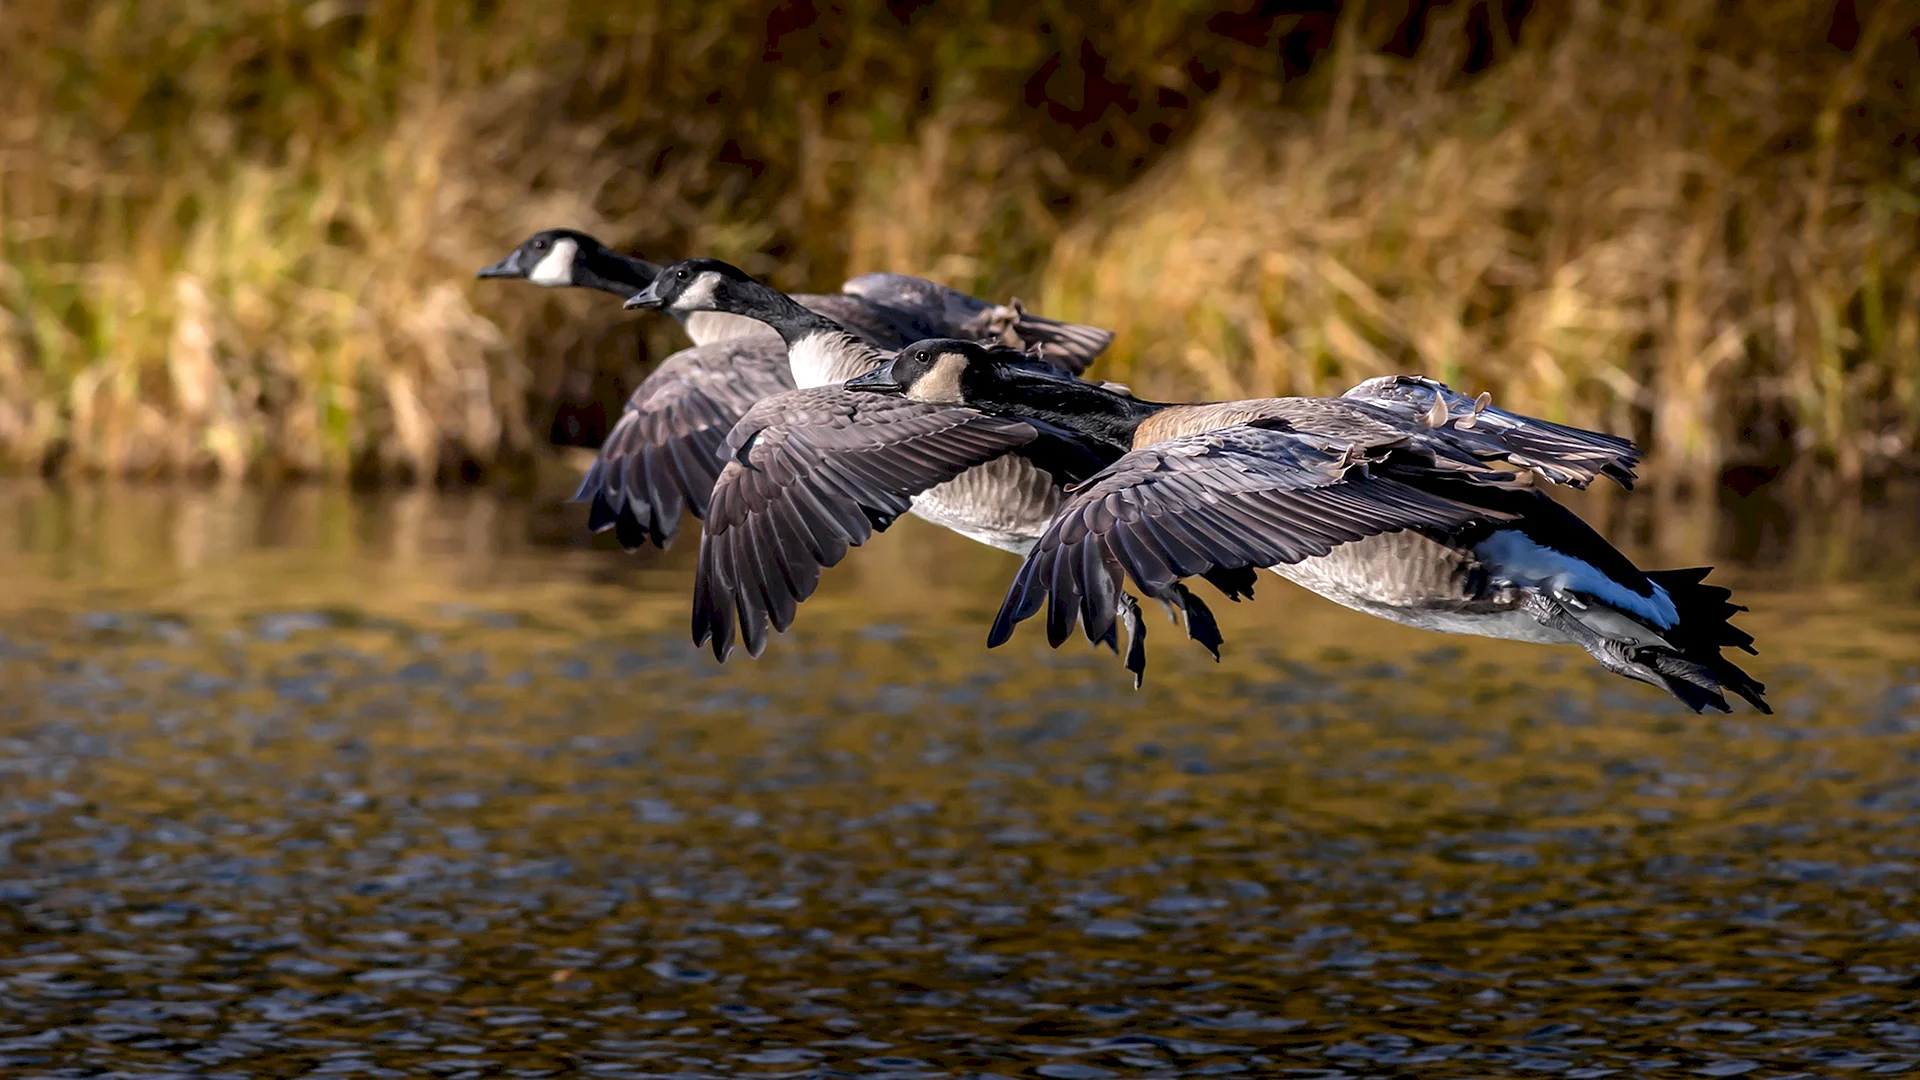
x,y
823,346
661,457
888,310
1385,500
816,471
558,258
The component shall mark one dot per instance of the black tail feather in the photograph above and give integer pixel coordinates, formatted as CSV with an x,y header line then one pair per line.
x,y
1690,668
1704,609
1704,630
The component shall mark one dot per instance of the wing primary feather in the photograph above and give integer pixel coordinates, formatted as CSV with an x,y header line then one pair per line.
x,y
1063,603
1022,601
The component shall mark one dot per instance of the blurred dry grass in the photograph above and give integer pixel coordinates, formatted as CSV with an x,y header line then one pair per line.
x,y
239,234
1698,223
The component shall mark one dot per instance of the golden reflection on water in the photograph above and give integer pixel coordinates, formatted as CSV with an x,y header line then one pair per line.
x,y
378,772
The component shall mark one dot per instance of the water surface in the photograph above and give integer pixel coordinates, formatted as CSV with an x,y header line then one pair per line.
x,y
305,783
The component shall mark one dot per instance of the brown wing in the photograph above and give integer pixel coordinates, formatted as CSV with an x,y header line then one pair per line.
x,y
663,454
1558,453
1203,504
812,473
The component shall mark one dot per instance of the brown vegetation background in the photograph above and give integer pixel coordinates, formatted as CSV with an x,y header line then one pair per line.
x,y
238,236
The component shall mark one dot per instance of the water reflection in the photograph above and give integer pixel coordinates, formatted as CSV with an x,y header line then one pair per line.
x,y
301,782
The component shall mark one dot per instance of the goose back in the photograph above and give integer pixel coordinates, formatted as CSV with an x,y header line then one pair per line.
x,y
1556,452
885,327
1327,418
945,312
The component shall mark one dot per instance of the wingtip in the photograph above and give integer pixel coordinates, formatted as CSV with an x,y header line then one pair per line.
x,y
702,620
1127,614
722,647
589,485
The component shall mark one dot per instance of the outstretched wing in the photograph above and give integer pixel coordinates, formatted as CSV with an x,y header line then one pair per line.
x,y
663,454
1213,503
948,312
812,473
1558,453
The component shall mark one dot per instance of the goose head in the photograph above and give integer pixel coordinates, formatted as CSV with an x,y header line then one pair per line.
x,y
951,371
699,285
550,257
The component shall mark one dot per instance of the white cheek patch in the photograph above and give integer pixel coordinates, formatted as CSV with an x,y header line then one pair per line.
x,y
699,295
556,268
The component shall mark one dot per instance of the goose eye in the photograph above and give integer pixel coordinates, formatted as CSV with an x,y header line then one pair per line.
x,y
681,274
539,245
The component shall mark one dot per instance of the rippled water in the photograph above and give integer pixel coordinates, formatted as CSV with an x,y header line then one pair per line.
x,y
311,784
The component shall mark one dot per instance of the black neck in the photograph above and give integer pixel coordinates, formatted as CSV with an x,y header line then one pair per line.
x,y
1103,419
782,312
610,271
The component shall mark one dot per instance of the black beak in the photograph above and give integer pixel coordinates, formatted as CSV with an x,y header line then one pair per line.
x,y
648,297
880,381
507,267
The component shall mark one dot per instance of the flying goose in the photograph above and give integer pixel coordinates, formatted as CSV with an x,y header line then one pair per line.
x,y
660,459
888,310
1388,500
815,472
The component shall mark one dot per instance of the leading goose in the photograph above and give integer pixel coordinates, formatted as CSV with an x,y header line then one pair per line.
x,y
660,459
888,310
1384,500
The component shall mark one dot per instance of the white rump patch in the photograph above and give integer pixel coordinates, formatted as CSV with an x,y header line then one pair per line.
x,y
1513,557
556,267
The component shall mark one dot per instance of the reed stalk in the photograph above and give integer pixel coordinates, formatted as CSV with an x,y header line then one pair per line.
x,y
237,236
